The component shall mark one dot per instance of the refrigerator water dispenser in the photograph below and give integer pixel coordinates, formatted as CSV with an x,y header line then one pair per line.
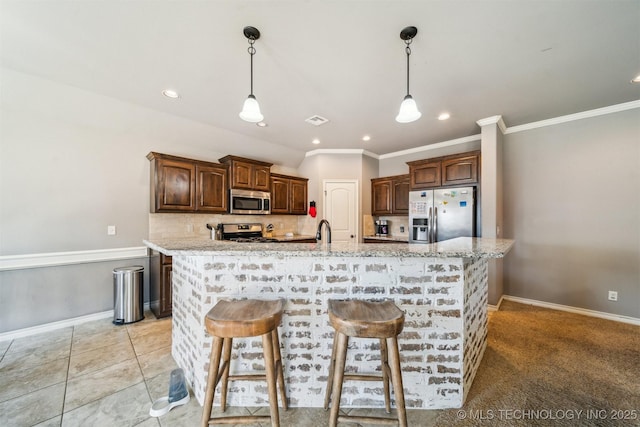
x,y
420,229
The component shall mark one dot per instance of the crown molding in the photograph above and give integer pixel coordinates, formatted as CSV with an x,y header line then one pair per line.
x,y
341,151
431,147
493,120
577,116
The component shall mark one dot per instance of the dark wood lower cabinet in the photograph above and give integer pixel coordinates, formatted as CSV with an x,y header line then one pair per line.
x,y
160,268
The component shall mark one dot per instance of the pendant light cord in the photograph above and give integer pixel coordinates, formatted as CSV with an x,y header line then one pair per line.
x,y
408,50
252,51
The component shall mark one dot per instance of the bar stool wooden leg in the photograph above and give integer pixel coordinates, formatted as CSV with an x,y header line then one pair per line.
x,y
214,363
226,366
279,369
267,350
341,358
396,377
327,394
384,366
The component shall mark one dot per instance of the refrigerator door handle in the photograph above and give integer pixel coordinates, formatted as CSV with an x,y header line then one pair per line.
x,y
430,229
435,224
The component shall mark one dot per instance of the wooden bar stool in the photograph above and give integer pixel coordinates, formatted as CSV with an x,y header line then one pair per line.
x,y
241,319
364,319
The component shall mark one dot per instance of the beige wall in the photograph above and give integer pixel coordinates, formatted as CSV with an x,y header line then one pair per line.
x,y
323,166
572,203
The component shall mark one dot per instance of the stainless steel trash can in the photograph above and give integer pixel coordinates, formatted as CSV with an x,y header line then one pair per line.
x,y
128,294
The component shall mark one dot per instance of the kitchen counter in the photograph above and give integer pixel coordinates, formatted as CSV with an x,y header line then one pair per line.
x,y
442,288
461,247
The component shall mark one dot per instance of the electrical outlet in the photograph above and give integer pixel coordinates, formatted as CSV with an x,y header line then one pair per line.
x,y
613,296
111,230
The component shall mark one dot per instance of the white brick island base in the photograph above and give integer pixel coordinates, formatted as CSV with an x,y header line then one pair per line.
x,y
441,346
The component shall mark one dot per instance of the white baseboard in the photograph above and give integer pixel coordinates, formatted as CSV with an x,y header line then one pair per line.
x,y
496,307
576,310
48,327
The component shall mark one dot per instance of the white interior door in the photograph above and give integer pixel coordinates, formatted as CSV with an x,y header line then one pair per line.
x,y
340,209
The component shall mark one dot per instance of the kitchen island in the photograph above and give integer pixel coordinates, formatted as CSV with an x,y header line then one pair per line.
x,y
442,288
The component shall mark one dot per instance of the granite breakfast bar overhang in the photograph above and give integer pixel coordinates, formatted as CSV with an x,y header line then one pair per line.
x,y
442,288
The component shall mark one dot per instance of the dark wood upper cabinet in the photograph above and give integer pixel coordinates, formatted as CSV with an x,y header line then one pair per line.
x,y
400,195
288,195
248,174
211,188
298,200
390,195
460,170
425,174
173,184
279,195
457,169
381,196
185,185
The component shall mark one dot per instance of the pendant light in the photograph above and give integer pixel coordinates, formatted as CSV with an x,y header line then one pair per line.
x,y
251,110
408,109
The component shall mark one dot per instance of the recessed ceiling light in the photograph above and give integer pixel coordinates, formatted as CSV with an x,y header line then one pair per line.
x,y
316,141
636,79
171,93
261,124
444,116
366,138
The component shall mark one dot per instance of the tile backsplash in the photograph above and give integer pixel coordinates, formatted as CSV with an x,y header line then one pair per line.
x,y
395,225
183,225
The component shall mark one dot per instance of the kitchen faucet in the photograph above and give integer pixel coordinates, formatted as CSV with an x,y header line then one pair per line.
x,y
319,232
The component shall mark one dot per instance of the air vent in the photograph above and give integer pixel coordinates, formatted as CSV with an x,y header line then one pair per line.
x,y
316,120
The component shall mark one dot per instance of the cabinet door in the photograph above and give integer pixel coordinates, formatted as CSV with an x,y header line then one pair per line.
x,y
211,188
381,197
165,290
242,174
298,199
261,177
279,195
463,170
425,175
175,186
400,204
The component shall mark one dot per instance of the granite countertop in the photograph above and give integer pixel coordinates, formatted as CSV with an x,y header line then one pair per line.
x,y
461,247
389,238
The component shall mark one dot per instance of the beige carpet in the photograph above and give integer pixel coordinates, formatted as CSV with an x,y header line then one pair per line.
x,y
547,368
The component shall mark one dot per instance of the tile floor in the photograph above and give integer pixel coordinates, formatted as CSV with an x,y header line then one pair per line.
x,y
99,374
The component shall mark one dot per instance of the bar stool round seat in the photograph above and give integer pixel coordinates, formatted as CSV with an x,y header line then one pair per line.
x,y
366,319
241,319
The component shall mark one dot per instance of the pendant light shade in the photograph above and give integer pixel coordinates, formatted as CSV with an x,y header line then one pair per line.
x,y
251,109
408,109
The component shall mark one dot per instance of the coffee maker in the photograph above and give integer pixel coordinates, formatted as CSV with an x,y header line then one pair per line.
x,y
382,227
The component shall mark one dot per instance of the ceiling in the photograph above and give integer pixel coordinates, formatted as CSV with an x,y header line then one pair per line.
x,y
342,60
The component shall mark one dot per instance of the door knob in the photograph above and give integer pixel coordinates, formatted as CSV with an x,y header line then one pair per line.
x,y
352,236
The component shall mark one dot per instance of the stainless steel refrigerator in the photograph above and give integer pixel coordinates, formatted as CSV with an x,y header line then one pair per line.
x,y
442,214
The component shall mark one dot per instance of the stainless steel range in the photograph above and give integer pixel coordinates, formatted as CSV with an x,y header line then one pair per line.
x,y
243,233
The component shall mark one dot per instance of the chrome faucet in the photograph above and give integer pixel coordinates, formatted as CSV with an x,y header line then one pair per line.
x,y
319,232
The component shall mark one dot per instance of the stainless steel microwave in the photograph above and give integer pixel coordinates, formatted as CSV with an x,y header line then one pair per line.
x,y
248,202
